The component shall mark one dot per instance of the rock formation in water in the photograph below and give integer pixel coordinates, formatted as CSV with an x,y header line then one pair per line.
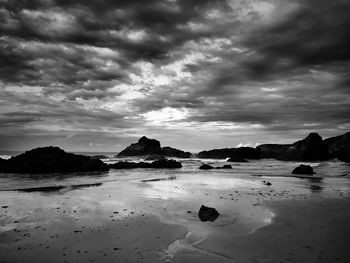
x,y
172,152
209,167
156,164
217,153
51,160
303,169
237,160
272,150
206,213
339,147
146,146
312,148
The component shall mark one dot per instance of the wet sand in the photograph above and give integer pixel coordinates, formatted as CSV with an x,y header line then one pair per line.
x,y
154,218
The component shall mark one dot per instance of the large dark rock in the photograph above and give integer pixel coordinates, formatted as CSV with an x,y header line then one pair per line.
x,y
272,150
206,167
303,169
312,148
225,166
237,160
172,152
339,147
246,153
144,146
154,157
156,164
235,153
51,160
217,153
207,214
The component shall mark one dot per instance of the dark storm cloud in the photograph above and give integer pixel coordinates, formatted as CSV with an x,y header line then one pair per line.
x,y
112,67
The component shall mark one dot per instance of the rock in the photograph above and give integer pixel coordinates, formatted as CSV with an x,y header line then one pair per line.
x,y
172,152
144,146
206,167
155,157
235,153
207,214
51,160
339,147
166,164
312,148
272,150
246,153
156,164
303,169
237,160
267,183
217,153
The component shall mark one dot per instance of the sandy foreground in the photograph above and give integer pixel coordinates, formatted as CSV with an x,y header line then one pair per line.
x,y
155,220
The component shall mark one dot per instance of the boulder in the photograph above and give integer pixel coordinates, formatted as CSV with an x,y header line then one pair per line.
x,y
272,150
237,160
144,146
156,164
172,152
312,148
217,153
207,214
339,147
51,160
303,169
206,167
246,153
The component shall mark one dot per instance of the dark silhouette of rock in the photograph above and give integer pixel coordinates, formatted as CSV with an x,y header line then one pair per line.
x,y
155,157
144,146
246,153
235,153
206,167
172,152
303,169
339,147
209,167
51,160
208,214
312,148
156,164
217,153
272,150
237,160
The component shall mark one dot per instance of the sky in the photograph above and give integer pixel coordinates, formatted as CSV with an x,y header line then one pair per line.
x,y
195,74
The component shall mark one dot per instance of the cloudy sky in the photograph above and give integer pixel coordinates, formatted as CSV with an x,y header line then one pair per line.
x,y
196,74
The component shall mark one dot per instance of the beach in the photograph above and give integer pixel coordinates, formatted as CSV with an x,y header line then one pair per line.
x,y
151,215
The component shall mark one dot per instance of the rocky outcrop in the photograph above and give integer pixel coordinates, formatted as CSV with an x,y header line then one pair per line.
x,y
172,152
237,160
234,153
206,213
154,157
303,169
312,148
209,167
274,151
156,164
51,160
144,146
217,153
339,147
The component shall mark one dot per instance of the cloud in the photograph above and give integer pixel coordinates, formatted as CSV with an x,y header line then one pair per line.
x,y
78,71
